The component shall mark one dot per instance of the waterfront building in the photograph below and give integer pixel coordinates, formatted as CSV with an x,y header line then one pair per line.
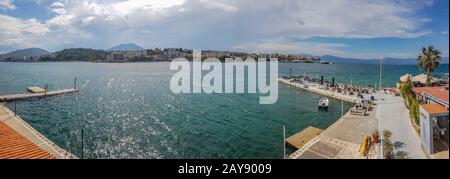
x,y
434,118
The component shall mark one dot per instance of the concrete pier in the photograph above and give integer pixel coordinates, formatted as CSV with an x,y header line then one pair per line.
x,y
312,87
15,97
343,139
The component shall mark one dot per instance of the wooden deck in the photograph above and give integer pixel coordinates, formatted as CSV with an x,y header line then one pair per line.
x,y
300,139
16,97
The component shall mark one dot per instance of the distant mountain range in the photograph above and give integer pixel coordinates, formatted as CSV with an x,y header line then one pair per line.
x,y
25,52
126,47
388,61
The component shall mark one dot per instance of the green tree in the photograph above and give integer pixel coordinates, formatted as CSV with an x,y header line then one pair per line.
x,y
428,61
406,91
406,87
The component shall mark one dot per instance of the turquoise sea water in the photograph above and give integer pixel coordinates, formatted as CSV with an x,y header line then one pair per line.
x,y
128,111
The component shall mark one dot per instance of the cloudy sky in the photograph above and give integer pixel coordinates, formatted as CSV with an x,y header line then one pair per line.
x,y
346,28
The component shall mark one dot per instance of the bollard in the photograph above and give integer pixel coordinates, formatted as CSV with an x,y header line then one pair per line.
x,y
82,144
15,108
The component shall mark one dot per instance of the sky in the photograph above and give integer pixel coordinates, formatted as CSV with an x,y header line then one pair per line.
x,y
346,28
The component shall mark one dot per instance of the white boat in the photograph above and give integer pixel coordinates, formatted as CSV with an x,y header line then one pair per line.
x,y
323,103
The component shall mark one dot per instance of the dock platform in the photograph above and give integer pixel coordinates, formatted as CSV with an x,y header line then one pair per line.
x,y
298,140
16,97
315,89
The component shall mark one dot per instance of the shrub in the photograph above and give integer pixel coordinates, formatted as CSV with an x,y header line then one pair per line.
x,y
414,111
407,93
388,147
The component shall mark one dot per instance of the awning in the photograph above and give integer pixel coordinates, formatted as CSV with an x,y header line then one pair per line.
x,y
405,78
422,78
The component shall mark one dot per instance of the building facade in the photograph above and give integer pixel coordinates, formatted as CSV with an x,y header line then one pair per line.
x,y
434,118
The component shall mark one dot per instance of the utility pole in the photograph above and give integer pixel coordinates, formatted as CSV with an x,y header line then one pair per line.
x,y
290,73
75,83
381,69
182,110
342,107
82,144
15,108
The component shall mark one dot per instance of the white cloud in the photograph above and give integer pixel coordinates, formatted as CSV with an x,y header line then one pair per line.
x,y
313,48
61,21
224,24
18,33
218,5
341,19
40,2
7,4
287,46
57,4
129,6
428,2
58,7
291,47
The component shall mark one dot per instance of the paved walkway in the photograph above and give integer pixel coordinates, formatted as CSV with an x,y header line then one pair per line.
x,y
342,140
313,87
394,116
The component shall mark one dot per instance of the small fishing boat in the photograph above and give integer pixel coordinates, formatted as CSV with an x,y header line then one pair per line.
x,y
323,103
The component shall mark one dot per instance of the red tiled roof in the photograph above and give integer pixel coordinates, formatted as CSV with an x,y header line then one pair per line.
x,y
15,146
434,108
438,92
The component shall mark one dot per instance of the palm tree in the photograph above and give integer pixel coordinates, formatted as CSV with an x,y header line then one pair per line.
x,y
428,61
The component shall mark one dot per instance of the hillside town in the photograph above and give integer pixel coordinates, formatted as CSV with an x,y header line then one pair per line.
x,y
152,55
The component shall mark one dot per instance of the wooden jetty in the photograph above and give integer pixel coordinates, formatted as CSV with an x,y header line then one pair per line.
x,y
15,97
300,139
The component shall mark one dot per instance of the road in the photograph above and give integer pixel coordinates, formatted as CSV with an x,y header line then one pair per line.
x,y
394,116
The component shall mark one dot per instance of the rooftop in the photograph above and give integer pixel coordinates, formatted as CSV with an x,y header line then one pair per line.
x,y
437,92
15,146
434,108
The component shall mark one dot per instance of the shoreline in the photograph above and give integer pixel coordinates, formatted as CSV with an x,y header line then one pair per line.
x,y
340,139
221,62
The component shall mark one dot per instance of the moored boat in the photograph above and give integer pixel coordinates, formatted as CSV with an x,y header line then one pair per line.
x,y
323,103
